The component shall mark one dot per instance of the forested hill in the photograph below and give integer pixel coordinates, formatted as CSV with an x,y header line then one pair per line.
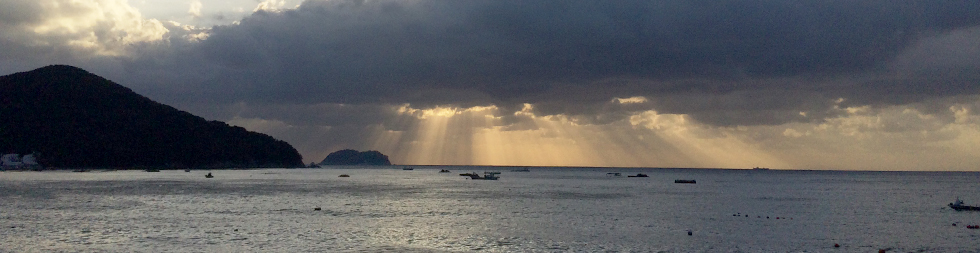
x,y
353,157
69,117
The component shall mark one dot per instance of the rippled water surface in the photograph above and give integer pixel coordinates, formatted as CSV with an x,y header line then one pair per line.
x,y
388,209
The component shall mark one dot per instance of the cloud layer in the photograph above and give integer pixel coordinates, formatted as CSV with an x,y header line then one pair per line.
x,y
769,60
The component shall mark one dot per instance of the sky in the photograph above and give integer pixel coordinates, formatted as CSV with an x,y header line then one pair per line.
x,y
816,85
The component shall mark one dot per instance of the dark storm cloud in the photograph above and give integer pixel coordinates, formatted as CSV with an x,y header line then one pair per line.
x,y
723,62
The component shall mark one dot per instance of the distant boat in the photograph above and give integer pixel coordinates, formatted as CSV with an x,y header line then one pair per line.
x,y
525,169
152,170
444,171
760,168
486,176
684,181
408,168
187,170
639,175
208,175
614,174
343,175
959,206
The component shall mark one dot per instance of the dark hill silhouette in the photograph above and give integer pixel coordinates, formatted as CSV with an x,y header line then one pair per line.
x,y
352,157
72,118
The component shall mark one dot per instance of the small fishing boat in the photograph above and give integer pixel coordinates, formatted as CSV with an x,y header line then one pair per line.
x,y
638,175
443,171
486,176
408,168
959,206
683,181
209,175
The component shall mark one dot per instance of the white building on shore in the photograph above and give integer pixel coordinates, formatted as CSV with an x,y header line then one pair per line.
x,y
16,162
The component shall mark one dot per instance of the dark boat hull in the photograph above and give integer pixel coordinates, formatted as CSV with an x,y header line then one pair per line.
x,y
965,208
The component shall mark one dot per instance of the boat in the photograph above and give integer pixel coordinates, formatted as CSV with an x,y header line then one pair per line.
x,y
187,170
343,175
486,175
152,170
638,175
208,175
614,174
443,171
408,168
685,181
525,169
959,206
760,168
491,175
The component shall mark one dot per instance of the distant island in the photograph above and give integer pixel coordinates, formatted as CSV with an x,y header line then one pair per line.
x,y
70,118
353,157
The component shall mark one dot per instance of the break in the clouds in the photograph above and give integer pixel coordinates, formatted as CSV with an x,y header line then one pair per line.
x,y
642,83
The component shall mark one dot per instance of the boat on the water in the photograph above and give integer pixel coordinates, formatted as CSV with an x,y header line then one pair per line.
x,y
760,168
209,175
408,168
486,175
638,175
443,171
525,169
959,206
683,181
614,174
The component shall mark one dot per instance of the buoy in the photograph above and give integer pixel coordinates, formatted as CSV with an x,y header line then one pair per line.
x,y
689,232
316,209
836,245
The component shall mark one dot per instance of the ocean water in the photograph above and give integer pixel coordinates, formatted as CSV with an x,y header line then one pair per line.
x,y
545,210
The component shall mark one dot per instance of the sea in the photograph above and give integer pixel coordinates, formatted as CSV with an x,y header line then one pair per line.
x,y
392,209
